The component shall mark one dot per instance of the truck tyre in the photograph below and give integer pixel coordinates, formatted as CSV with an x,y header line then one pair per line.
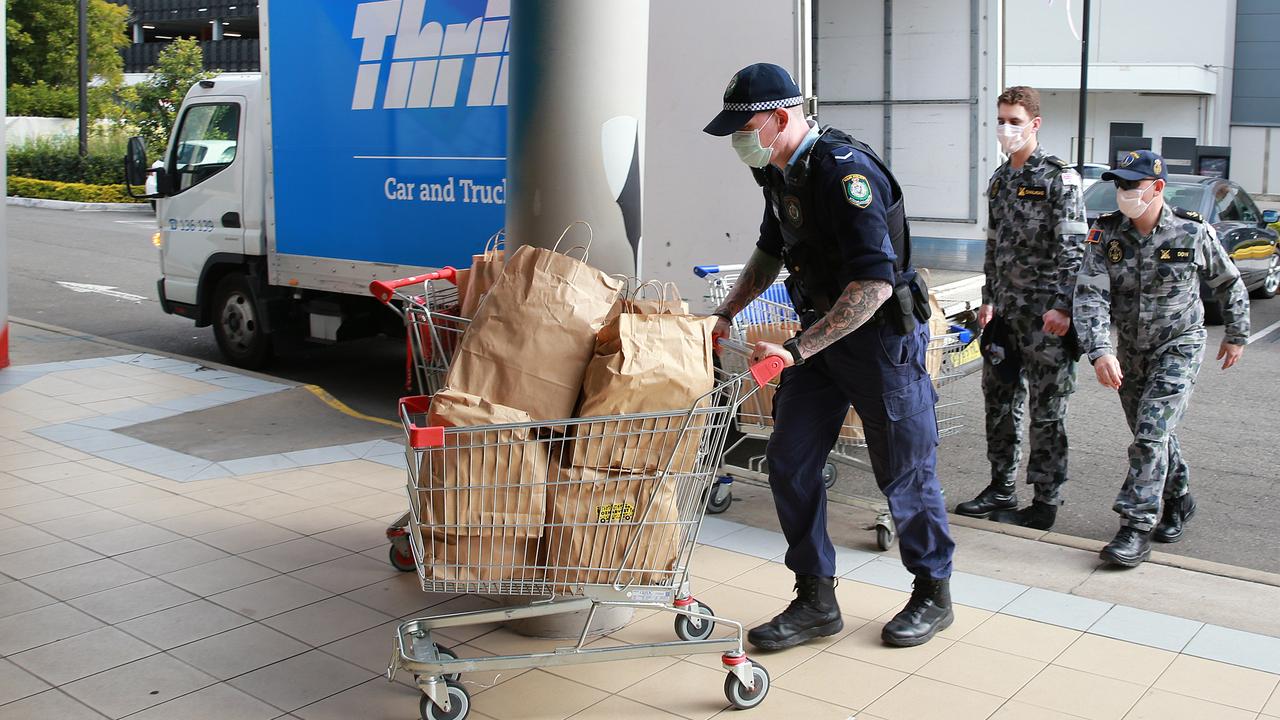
x,y
237,326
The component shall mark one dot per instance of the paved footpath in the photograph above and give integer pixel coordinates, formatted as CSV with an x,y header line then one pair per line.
x,y
172,545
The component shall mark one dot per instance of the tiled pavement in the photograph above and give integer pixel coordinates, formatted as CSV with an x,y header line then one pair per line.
x,y
135,590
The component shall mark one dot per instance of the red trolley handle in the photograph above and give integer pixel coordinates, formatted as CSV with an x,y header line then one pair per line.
x,y
763,371
384,289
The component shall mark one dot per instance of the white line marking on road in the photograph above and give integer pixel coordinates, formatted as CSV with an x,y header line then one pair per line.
x,y
108,290
152,223
1264,332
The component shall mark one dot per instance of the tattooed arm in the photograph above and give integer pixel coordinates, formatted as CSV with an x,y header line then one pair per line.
x,y
855,306
760,272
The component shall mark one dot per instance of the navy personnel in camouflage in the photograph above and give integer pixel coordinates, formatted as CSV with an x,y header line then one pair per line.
x,y
1035,236
1142,271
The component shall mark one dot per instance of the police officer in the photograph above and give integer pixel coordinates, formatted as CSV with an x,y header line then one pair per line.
x,y
1035,235
834,217
1142,271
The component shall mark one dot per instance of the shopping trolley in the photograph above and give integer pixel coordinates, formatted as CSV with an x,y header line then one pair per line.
x,y
772,318
503,510
428,304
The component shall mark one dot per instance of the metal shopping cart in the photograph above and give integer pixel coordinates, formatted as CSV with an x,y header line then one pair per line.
x,y
428,304
772,318
503,510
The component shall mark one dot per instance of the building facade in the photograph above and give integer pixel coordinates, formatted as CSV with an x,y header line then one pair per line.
x,y
227,31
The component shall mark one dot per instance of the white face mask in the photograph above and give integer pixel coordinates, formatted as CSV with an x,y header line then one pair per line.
x,y
1131,203
1012,137
747,144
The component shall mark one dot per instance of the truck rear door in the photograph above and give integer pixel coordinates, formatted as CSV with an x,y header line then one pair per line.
x,y
204,211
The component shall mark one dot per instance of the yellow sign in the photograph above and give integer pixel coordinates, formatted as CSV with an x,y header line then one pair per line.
x,y
615,512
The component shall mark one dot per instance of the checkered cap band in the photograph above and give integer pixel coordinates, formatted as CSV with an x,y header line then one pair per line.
x,y
766,105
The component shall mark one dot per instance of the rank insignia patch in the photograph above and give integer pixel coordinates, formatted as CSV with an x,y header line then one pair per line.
x,y
857,190
1115,253
1173,255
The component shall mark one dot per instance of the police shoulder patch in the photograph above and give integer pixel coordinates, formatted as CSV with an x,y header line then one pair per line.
x,y
1188,214
857,190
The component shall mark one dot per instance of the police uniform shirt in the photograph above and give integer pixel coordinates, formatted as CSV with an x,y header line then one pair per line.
x,y
850,196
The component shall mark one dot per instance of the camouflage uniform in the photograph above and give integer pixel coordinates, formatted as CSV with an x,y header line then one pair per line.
x,y
1150,289
1034,243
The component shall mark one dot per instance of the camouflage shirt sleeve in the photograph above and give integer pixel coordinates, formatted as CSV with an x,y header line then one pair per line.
x,y
1091,304
1070,229
989,259
1223,278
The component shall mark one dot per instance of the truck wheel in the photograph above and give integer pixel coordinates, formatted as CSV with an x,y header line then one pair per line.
x,y
236,324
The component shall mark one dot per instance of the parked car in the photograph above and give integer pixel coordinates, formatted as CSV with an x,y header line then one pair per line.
x,y
1245,232
1093,173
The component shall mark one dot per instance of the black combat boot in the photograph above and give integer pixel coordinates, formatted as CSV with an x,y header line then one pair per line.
x,y
996,496
814,613
927,613
1037,515
1129,548
1176,513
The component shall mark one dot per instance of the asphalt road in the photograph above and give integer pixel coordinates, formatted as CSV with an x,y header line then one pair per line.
x,y
1228,436
111,249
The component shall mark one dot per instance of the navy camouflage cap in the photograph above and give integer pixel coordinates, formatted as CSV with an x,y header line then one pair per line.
x,y
1138,165
753,89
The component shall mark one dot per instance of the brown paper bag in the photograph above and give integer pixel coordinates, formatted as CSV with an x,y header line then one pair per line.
x,y
594,517
485,270
487,556
757,410
483,480
532,337
645,363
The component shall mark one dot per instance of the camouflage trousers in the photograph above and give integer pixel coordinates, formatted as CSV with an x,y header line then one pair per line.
x,y
1154,393
1043,386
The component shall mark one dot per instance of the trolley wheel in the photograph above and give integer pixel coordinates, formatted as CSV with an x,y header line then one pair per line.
x,y
401,561
884,536
719,497
829,475
448,653
738,694
693,628
459,705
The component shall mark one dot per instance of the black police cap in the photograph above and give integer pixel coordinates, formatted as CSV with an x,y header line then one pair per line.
x,y
753,89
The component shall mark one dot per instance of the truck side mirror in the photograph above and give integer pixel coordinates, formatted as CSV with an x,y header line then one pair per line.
x,y
135,162
1270,216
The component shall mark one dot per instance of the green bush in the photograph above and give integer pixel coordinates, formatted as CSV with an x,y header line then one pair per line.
x,y
76,192
59,159
41,100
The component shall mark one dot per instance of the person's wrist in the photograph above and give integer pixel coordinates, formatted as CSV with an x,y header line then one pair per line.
x,y
793,346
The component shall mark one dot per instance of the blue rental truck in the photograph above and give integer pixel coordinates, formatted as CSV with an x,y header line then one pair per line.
x,y
371,146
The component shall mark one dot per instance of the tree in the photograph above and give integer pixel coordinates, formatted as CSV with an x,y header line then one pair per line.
x,y
43,37
153,104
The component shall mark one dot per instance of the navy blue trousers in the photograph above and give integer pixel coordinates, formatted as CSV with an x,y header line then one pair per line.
x,y
882,374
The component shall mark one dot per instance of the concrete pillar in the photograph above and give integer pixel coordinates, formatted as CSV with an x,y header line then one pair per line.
x,y
4,183
576,118
139,36
217,29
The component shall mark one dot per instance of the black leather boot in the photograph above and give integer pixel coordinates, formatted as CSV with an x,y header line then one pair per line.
x,y
927,613
993,497
1129,548
1037,515
1176,513
814,613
